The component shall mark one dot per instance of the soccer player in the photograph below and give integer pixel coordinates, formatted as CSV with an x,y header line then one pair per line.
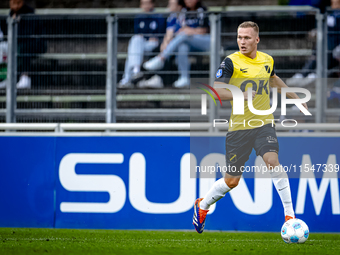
x,y
240,69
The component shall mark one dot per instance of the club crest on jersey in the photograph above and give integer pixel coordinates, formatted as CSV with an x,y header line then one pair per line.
x,y
232,158
219,73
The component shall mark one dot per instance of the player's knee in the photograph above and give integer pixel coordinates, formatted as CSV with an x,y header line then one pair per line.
x,y
272,162
232,182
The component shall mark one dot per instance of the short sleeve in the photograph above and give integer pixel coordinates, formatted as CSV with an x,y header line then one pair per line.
x,y
272,73
225,71
171,21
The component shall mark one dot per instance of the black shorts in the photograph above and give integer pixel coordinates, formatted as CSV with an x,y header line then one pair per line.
x,y
240,143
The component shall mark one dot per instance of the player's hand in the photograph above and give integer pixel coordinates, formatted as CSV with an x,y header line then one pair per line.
x,y
304,105
245,94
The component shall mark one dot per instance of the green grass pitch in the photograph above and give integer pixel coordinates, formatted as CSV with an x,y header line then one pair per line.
x,y
70,241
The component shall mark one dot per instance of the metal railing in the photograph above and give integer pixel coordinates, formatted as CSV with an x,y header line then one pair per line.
x,y
161,127
97,99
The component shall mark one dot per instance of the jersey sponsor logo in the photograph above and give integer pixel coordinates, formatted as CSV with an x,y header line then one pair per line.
x,y
219,73
267,69
243,70
262,86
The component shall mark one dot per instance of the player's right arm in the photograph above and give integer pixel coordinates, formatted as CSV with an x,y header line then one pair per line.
x,y
225,94
223,75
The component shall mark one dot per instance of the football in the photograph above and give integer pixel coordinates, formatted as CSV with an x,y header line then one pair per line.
x,y
294,231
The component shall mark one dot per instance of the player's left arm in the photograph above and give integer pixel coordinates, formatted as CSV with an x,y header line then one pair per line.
x,y
276,82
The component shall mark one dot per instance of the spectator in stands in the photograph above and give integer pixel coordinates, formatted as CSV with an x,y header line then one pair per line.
x,y
3,60
333,97
175,7
321,4
17,8
333,39
192,35
144,25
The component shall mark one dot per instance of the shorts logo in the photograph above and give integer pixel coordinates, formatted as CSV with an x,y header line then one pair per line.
x,y
219,73
271,139
232,157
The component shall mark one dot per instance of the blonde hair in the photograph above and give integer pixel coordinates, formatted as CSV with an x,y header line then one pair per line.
x,y
251,24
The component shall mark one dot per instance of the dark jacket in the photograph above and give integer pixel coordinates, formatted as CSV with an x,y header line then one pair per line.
x,y
25,9
27,27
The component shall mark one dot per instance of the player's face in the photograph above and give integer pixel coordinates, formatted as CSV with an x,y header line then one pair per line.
x,y
247,40
146,5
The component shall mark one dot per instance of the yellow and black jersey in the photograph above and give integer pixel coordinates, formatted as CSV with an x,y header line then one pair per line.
x,y
244,72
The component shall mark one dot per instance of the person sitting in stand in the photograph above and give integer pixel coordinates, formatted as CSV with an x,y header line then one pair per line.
x,y
144,25
192,35
3,61
307,74
17,8
174,6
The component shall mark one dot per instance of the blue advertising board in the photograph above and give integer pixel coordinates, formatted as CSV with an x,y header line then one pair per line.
x,y
144,182
27,181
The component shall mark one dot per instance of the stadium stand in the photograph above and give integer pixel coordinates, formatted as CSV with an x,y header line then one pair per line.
x,y
70,83
129,3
